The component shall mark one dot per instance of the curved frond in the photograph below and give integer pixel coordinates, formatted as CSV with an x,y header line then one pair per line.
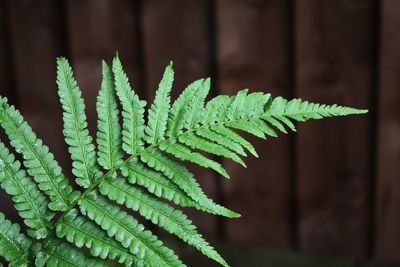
x,y
56,253
185,180
109,130
14,246
133,111
281,112
28,200
38,160
76,134
125,229
148,155
172,220
158,112
82,232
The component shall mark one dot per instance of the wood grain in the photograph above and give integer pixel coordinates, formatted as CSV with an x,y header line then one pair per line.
x,y
388,181
334,65
253,53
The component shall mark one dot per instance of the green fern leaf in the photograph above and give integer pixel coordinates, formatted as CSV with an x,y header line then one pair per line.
x,y
156,183
149,156
159,213
281,111
128,231
28,200
185,180
14,246
37,158
158,112
56,253
180,108
133,111
109,130
81,232
75,131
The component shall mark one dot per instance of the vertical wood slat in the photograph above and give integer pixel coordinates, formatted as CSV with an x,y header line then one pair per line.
x,y
97,29
334,65
37,38
253,53
177,30
388,182
6,90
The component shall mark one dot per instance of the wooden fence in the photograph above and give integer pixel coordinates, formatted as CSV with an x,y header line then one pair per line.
x,y
332,188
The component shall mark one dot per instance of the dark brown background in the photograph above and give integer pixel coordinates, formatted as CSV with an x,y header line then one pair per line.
x,y
333,188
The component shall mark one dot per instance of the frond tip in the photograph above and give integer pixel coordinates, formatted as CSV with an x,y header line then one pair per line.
x,y
138,165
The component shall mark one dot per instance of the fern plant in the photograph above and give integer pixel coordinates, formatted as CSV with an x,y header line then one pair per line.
x,y
136,166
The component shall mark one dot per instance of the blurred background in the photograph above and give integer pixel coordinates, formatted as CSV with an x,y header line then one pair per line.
x,y
331,190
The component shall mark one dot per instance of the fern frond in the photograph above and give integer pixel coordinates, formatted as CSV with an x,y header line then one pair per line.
x,y
109,130
28,200
133,111
158,112
180,108
56,253
125,229
282,111
82,232
159,213
156,183
14,246
75,131
184,179
38,160
149,157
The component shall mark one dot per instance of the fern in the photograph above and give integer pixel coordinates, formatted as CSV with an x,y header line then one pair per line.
x,y
138,166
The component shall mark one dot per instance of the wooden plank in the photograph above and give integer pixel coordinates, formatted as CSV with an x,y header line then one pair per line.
x,y
253,53
244,256
388,182
6,89
37,38
334,65
178,30
97,29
